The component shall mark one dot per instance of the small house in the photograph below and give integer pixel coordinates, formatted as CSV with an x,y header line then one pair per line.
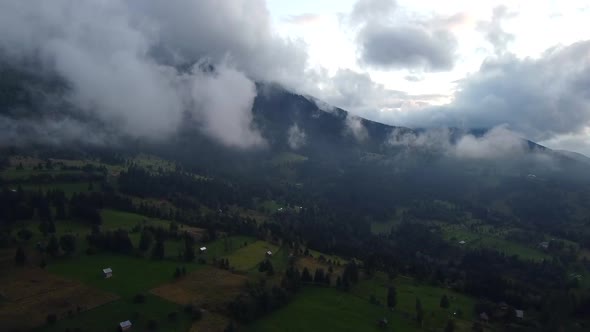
x,y
544,245
108,272
462,242
269,253
126,325
484,316
519,314
203,250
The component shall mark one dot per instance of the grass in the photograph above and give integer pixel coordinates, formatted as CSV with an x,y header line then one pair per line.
x,y
478,235
68,188
327,309
113,219
249,256
208,287
107,317
31,293
227,245
407,292
286,158
131,275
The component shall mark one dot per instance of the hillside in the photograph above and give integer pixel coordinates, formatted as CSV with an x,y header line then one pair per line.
x,y
329,217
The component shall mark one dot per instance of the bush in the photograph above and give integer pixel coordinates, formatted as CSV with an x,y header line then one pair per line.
x,y
152,325
139,298
197,315
51,318
172,316
188,308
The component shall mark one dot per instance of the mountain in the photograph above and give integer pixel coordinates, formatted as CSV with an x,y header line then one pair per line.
x,y
339,160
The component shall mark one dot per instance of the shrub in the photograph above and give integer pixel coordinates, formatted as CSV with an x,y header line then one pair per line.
x,y
152,325
51,318
139,298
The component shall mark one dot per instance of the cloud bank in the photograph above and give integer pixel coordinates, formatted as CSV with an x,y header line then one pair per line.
x,y
123,60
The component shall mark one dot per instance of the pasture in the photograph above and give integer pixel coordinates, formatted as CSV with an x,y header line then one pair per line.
x,y
208,287
327,309
28,294
249,256
107,317
131,275
114,219
408,290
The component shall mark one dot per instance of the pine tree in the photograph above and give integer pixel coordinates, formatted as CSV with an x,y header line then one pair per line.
x,y
450,326
319,276
419,311
20,258
68,243
53,246
189,251
158,251
391,297
146,240
444,302
305,275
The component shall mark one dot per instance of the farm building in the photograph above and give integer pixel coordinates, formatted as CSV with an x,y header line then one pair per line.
x,y
269,253
126,325
484,317
462,242
203,250
108,272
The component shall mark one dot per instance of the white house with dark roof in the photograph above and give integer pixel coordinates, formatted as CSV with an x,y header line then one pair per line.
x,y
126,325
108,272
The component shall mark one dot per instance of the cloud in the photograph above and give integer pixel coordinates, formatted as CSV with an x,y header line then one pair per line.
x,y
368,10
355,126
434,139
357,92
540,98
499,142
493,31
296,137
225,117
407,46
121,60
303,19
389,39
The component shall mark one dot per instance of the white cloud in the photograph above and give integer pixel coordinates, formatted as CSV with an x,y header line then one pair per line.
x,y
355,126
296,137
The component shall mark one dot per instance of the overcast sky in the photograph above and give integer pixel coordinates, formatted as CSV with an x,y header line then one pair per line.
x,y
522,65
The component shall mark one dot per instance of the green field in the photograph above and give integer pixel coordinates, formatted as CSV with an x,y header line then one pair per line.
x,y
286,158
131,275
108,316
327,309
249,256
227,245
113,219
68,188
485,238
407,292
